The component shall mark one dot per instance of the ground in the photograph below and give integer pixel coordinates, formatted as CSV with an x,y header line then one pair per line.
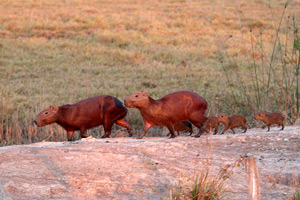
x,y
128,168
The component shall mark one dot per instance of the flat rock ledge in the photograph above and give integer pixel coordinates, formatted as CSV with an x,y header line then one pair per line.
x,y
127,168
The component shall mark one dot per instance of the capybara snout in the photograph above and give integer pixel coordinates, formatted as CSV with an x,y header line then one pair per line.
x,y
46,117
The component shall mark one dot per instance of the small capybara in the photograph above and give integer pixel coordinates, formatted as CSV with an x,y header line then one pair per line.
x,y
211,123
270,119
170,109
232,122
86,114
183,126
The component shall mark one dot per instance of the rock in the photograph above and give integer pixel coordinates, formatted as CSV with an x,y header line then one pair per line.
x,y
126,168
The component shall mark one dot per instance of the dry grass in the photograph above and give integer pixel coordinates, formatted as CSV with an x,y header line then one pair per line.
x,y
57,52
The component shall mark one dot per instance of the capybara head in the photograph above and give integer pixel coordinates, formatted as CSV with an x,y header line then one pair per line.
x,y
223,118
260,116
136,100
47,116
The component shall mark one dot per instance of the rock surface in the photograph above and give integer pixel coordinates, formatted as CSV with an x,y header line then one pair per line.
x,y
127,168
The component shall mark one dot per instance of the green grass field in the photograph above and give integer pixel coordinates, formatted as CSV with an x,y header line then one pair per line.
x,y
241,56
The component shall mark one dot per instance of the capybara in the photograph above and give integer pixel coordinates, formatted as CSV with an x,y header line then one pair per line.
x,y
211,123
86,114
270,119
170,109
183,126
232,122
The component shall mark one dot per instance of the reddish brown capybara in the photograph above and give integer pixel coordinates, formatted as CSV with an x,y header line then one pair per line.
x,y
86,114
183,126
270,119
232,122
170,109
211,123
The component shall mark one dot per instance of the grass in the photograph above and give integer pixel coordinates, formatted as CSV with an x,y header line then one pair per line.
x,y
59,52
208,183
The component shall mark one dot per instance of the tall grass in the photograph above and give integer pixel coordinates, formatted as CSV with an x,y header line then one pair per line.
x,y
266,80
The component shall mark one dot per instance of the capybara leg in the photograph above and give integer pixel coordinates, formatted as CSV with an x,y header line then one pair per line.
x,y
83,133
171,129
126,124
107,129
223,131
189,124
70,135
216,131
268,128
200,132
245,128
147,126
232,131
282,126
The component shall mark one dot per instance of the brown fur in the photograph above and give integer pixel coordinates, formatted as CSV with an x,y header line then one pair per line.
x,y
270,119
172,108
183,126
86,114
232,122
211,123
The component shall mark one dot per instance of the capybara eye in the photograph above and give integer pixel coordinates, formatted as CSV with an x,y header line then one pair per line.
x,y
136,95
46,113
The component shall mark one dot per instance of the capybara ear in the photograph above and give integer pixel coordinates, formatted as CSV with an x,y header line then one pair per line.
x,y
53,108
144,93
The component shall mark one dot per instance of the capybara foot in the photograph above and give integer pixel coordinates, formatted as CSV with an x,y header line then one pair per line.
x,y
104,136
130,135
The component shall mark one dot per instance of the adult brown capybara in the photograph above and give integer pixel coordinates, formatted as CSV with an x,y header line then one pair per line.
x,y
270,119
232,122
86,114
211,123
170,109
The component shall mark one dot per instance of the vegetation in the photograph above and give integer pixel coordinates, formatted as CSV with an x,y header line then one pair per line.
x,y
241,56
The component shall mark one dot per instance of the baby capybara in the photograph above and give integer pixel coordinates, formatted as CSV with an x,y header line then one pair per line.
x,y
170,109
270,119
86,114
232,122
183,126
211,123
